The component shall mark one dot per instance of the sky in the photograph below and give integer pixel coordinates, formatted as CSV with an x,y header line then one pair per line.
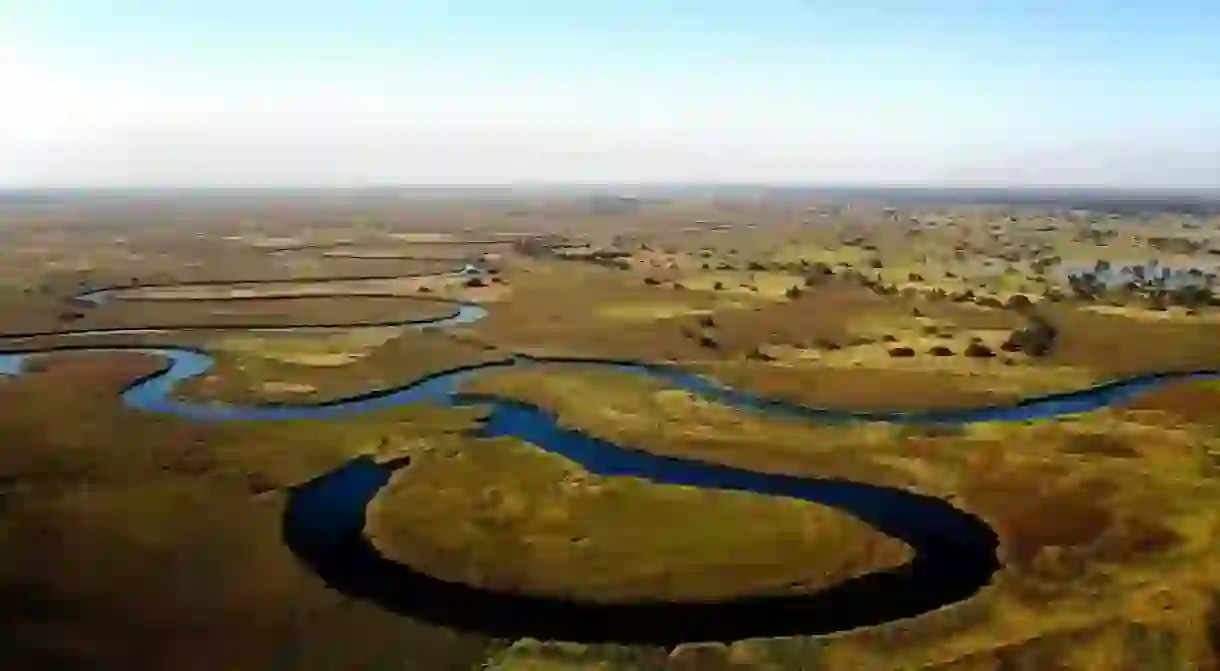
x,y
1079,93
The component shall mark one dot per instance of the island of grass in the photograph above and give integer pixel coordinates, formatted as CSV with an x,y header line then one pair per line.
x,y
310,367
506,516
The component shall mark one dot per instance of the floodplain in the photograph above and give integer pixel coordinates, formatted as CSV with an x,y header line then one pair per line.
x,y
138,539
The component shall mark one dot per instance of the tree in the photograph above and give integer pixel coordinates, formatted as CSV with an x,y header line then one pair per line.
x,y
1191,296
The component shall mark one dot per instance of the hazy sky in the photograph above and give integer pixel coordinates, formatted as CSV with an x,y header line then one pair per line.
x,y
300,92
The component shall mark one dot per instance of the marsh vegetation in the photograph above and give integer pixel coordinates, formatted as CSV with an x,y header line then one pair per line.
x,y
1108,521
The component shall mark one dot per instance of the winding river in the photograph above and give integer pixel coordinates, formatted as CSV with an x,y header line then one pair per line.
x,y
323,525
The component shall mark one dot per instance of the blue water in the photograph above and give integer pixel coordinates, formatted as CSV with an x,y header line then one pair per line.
x,y
602,457
464,313
955,552
155,393
100,296
11,364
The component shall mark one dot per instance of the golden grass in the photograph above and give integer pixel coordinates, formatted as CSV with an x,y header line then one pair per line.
x,y
1114,346
1184,403
505,515
1091,534
423,237
594,312
648,311
1125,581
643,414
399,286
1092,512
287,388
871,380
1172,313
820,253
759,284
335,348
334,364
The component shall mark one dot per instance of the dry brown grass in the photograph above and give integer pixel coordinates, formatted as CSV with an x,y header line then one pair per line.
x,y
403,248
595,312
116,516
1074,520
1112,345
1182,402
33,299
856,388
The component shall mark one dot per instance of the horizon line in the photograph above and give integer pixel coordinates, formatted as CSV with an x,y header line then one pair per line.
x,y
1014,187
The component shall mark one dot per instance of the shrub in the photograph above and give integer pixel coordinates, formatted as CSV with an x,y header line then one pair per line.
x,y
978,350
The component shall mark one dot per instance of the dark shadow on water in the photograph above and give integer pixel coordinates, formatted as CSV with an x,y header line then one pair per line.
x,y
955,553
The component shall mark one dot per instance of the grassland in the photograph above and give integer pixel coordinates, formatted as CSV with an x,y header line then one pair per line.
x,y
110,517
1108,521
269,312
310,368
509,517
1098,516
393,286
